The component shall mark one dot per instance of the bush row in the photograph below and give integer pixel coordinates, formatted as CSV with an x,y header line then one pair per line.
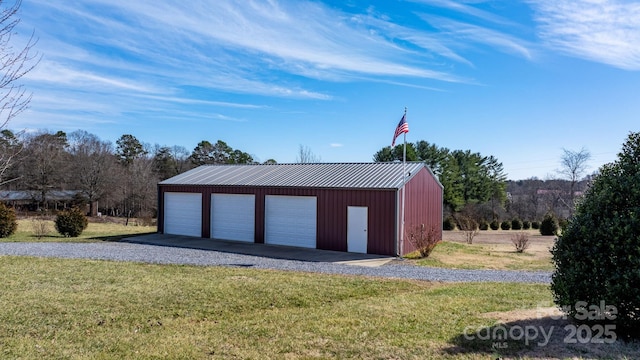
x,y
550,224
450,223
70,223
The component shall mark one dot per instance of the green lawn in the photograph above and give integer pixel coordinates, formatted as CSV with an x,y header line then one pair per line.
x,y
84,309
96,231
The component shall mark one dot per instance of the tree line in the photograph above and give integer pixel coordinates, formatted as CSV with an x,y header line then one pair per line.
x,y
121,179
470,179
476,187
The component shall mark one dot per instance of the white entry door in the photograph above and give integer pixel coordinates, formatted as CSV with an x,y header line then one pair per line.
x,y
357,224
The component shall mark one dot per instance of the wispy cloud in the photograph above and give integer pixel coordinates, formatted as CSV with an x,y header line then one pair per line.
x,y
423,44
242,40
464,8
182,100
605,31
148,55
467,34
59,74
336,145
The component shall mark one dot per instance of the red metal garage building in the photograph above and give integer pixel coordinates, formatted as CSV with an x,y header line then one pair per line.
x,y
353,207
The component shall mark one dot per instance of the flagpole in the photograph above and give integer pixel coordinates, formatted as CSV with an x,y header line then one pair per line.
x,y
404,180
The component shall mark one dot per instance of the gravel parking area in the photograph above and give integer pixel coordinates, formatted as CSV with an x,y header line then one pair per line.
x,y
174,255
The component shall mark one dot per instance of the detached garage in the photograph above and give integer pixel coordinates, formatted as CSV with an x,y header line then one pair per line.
x,y
355,207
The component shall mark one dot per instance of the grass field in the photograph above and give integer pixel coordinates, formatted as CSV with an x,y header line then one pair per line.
x,y
53,308
491,250
106,229
85,309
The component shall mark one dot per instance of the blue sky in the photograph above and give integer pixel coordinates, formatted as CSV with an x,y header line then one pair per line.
x,y
519,80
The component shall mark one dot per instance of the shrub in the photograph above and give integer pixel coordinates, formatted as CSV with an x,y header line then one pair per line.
x,y
494,225
526,225
520,241
549,225
516,224
423,238
484,225
71,223
449,223
535,225
505,225
40,226
469,227
597,257
8,222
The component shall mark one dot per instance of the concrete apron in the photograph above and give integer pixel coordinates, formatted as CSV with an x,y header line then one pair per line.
x,y
263,250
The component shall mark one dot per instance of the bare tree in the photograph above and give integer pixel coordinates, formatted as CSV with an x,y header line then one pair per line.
x,y
10,148
305,156
181,155
520,241
468,226
14,64
45,164
170,161
93,166
141,185
573,165
534,198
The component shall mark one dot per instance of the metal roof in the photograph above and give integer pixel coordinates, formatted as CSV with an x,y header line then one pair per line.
x,y
316,175
33,195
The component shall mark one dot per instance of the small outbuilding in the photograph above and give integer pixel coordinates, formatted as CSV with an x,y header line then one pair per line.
x,y
354,207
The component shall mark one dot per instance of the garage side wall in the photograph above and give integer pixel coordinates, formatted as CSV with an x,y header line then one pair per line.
x,y
423,205
331,212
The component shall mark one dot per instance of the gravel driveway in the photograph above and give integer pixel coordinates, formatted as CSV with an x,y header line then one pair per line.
x,y
173,255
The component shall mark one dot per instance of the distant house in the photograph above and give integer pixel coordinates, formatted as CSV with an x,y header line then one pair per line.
x,y
556,192
31,199
548,192
354,207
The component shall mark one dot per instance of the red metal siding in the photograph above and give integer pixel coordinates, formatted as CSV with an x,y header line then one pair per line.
x,y
332,213
423,205
332,219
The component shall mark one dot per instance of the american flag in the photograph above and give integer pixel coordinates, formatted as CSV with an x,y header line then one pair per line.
x,y
402,128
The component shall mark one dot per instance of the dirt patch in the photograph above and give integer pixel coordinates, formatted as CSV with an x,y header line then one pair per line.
x,y
498,237
499,243
491,250
552,336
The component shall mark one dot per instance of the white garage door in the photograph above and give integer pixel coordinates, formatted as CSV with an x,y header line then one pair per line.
x,y
233,217
290,220
183,214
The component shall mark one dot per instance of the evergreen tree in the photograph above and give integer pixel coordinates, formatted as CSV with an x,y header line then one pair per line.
x,y
597,257
129,148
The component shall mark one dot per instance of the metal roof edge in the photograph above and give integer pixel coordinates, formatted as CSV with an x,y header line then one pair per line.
x,y
282,187
413,168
